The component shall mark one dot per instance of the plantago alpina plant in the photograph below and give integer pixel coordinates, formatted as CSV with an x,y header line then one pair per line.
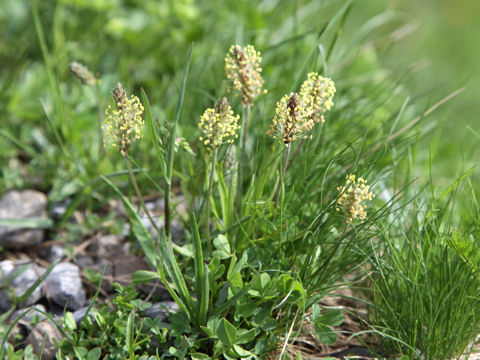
x,y
123,126
87,78
82,73
292,120
219,125
317,93
353,193
242,67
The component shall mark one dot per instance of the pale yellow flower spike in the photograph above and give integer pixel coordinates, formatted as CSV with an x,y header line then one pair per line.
x,y
351,196
124,122
292,120
242,66
219,125
317,93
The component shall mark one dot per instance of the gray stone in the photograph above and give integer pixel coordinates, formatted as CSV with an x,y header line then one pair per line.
x,y
56,252
22,205
64,286
20,277
162,310
5,302
6,269
80,313
59,208
83,261
30,316
107,247
43,336
24,280
157,289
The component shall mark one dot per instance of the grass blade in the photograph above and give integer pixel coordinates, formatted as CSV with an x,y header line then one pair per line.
x,y
171,145
143,235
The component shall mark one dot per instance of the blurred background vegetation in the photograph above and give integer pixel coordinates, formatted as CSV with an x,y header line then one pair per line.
x,y
430,47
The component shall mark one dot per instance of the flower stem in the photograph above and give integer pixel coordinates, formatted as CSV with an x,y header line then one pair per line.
x,y
284,168
245,132
242,156
101,150
139,194
209,193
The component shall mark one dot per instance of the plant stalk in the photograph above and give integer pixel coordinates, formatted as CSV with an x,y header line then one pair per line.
x,y
242,158
139,194
209,193
284,169
101,150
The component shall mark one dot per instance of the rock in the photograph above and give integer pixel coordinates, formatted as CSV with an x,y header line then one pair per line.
x,y
80,313
107,247
22,205
44,330
162,310
64,286
125,265
56,253
30,316
107,277
5,302
156,289
27,278
83,261
59,208
178,233
20,277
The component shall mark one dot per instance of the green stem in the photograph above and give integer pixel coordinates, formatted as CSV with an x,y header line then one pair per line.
x,y
171,147
284,168
245,133
209,194
101,150
139,194
242,157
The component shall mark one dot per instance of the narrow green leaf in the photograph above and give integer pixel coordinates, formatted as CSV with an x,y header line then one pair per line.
x,y
198,258
36,284
30,223
144,276
171,144
204,300
143,235
171,265
130,332
153,132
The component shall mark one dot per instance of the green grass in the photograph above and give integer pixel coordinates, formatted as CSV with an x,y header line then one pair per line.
x,y
421,279
254,266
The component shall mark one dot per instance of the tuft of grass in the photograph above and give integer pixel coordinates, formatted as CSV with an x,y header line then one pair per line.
x,y
425,283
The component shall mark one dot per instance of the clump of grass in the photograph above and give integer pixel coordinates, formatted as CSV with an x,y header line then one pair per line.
x,y
424,294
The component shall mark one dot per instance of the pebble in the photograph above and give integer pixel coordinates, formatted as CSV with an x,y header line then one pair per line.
x,y
162,310
30,316
64,286
80,313
22,205
44,330
107,246
56,252
20,276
